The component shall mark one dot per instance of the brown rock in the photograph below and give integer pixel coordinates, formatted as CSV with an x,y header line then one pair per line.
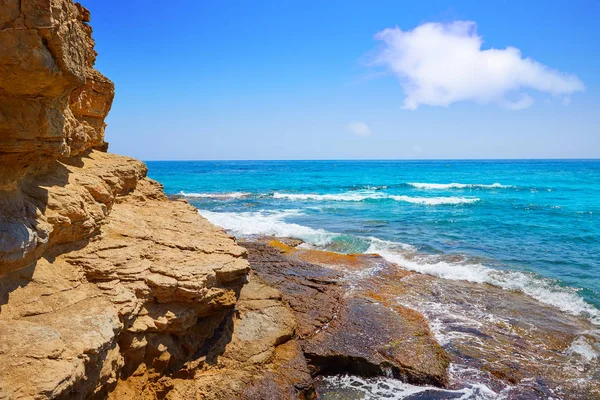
x,y
146,292
370,339
52,101
254,355
344,329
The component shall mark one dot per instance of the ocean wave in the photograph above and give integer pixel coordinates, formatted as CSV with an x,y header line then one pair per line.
x,y
542,289
350,196
434,201
269,223
231,195
272,223
362,196
444,186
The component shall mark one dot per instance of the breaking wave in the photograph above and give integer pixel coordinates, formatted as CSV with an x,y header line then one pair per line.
x,y
232,195
434,201
268,223
444,186
362,196
542,289
272,223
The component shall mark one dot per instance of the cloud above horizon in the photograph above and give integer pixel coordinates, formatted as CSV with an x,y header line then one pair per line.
x,y
439,64
359,129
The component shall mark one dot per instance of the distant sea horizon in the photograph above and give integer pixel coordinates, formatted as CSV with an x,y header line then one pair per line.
x,y
377,159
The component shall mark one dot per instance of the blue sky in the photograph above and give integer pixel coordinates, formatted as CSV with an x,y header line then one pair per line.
x,y
314,80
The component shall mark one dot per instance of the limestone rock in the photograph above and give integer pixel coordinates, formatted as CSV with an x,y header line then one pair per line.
x,y
147,290
253,355
52,101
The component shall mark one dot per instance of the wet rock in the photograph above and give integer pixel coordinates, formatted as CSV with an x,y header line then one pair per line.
x,y
343,330
370,339
506,340
498,341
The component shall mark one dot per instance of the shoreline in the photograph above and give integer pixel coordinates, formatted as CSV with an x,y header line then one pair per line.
x,y
552,345
447,266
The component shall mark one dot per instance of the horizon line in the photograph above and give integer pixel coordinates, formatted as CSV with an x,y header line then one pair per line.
x,y
377,159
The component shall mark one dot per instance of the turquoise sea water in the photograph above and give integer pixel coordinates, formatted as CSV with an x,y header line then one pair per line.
x,y
532,226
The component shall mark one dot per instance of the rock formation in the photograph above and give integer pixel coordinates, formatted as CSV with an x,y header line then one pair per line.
x,y
101,276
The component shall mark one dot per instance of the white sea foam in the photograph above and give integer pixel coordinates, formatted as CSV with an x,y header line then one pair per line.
x,y
362,195
232,195
267,223
542,289
348,196
584,349
434,201
443,186
388,388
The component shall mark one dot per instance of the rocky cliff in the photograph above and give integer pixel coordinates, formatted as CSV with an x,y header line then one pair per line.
x,y
101,277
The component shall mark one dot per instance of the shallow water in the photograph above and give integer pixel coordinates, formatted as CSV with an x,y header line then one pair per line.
x,y
532,226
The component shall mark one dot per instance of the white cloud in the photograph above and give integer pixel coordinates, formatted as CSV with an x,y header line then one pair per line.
x,y
360,129
440,64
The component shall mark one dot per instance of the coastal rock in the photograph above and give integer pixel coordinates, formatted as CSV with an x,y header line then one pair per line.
x,y
145,292
506,340
344,330
255,355
498,342
101,277
52,101
52,109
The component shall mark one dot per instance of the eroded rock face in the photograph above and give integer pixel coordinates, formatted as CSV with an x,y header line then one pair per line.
x,y
146,291
101,276
52,101
52,109
255,356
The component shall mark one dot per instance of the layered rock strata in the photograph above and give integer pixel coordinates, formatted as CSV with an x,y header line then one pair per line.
x,y
101,276
146,292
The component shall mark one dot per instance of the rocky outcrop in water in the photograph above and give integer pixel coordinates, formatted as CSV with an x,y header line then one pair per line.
x,y
365,315
345,330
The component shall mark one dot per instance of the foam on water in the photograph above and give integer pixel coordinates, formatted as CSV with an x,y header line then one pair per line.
x,y
370,195
349,196
542,289
434,201
388,388
269,223
581,347
232,195
272,223
444,186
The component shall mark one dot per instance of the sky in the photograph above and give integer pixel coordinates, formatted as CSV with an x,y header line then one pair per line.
x,y
217,80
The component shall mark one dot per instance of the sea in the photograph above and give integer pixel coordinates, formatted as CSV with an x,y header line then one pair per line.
x,y
523,225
